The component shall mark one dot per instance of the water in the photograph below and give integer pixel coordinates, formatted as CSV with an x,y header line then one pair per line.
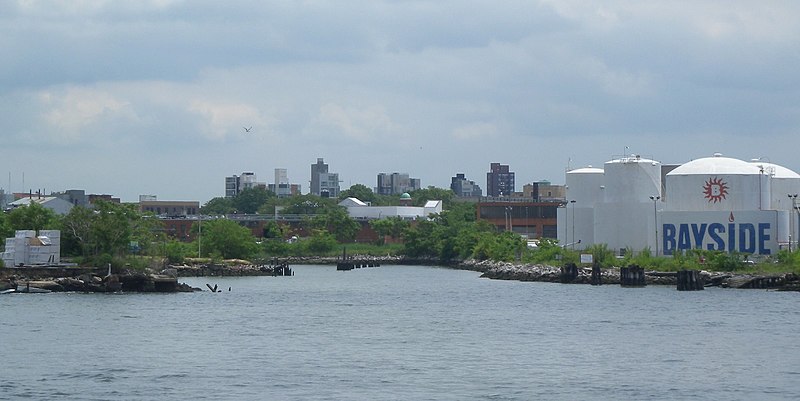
x,y
401,333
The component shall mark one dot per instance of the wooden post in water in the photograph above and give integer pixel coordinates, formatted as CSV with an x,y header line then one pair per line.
x,y
690,280
632,276
569,272
597,275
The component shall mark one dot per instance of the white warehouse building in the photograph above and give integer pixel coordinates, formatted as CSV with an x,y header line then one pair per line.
x,y
713,203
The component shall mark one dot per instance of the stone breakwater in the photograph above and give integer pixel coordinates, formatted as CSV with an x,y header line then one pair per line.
x,y
89,280
552,274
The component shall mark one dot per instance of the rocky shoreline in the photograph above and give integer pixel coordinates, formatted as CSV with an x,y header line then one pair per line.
x,y
78,279
88,280
552,274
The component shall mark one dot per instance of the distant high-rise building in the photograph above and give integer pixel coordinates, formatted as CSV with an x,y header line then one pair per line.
x,y
544,191
236,184
499,180
323,183
282,188
396,184
464,187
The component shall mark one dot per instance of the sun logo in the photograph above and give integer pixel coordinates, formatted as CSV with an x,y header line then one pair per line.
x,y
715,190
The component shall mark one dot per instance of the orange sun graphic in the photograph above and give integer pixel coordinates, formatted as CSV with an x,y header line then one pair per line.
x,y
715,190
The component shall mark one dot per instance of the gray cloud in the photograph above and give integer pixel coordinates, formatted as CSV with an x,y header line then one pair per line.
x,y
132,97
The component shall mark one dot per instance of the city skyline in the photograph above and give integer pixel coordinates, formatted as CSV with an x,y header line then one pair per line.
x,y
169,97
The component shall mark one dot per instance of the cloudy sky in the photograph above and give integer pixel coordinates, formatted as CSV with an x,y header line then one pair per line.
x,y
151,97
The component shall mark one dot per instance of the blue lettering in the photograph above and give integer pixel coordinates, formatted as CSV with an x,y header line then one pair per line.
x,y
713,231
753,238
747,238
763,237
668,238
684,241
699,231
731,237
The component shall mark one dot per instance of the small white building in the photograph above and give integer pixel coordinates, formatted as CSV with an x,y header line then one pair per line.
x,y
28,249
361,210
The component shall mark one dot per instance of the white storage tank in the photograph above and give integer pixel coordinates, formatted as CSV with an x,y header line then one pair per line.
x,y
717,184
632,180
783,182
585,186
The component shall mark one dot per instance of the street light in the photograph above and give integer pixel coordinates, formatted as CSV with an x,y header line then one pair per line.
x,y
655,199
509,218
792,217
573,223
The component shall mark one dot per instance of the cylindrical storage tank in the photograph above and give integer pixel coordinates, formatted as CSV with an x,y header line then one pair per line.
x,y
783,182
585,186
717,184
632,180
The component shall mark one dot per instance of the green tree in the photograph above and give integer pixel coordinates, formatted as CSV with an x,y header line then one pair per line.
x,y
228,239
359,191
251,199
76,231
113,226
305,204
321,242
218,206
392,226
422,239
32,217
108,228
6,231
502,246
338,222
420,196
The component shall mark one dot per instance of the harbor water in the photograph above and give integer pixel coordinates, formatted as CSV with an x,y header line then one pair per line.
x,y
401,333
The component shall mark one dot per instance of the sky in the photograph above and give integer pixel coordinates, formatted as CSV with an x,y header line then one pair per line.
x,y
132,97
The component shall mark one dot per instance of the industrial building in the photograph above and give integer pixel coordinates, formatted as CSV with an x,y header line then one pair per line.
x,y
27,248
712,203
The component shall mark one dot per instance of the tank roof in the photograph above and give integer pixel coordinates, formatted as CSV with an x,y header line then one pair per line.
x,y
716,164
585,170
775,170
633,159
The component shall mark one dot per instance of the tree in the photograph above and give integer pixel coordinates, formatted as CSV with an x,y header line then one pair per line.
x,y
392,226
76,231
421,196
228,239
107,229
6,230
305,204
32,217
358,191
338,222
251,199
320,242
113,226
217,206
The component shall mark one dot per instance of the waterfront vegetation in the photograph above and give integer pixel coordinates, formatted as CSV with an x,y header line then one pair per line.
x,y
119,234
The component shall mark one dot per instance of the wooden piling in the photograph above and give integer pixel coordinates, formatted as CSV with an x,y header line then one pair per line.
x,y
632,276
597,274
690,280
569,272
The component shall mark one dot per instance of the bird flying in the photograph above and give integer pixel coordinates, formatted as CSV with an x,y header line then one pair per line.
x,y
247,129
